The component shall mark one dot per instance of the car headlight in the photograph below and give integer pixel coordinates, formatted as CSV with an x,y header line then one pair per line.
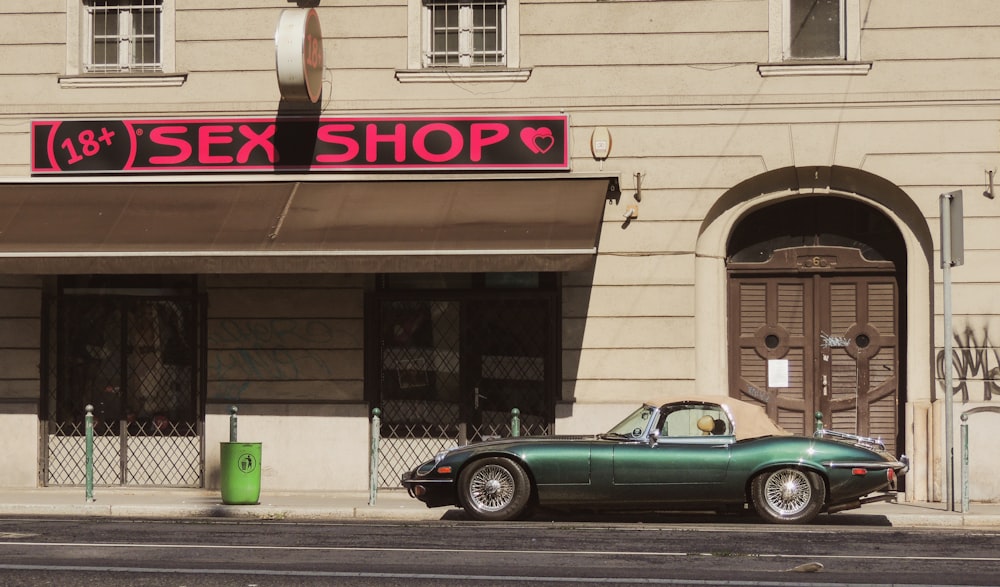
x,y
429,466
424,469
441,455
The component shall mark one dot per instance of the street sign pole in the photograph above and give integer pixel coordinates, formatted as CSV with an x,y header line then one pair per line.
x,y
952,254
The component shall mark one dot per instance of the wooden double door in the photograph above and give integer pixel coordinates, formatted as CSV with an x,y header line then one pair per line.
x,y
816,329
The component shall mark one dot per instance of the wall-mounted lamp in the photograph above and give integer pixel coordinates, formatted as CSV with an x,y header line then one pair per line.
x,y
631,213
632,210
600,143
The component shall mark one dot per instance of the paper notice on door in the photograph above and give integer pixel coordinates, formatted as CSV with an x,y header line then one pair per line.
x,y
777,373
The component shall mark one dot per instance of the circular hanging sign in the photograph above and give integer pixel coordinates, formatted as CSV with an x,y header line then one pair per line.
x,y
298,47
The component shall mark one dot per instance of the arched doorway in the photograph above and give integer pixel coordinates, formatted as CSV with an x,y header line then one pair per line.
x,y
815,310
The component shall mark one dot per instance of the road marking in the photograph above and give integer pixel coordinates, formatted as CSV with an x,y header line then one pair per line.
x,y
438,577
123,545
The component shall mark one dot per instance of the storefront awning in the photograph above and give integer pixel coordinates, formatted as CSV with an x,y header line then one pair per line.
x,y
302,225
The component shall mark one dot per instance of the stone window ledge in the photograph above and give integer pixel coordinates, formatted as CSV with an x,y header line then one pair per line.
x,y
790,68
462,74
123,80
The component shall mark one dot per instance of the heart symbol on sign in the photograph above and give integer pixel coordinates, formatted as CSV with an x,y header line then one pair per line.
x,y
538,140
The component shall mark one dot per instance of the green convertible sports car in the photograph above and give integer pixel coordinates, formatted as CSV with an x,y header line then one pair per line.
x,y
713,453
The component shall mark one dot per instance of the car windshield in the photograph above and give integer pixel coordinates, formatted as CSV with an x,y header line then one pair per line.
x,y
635,425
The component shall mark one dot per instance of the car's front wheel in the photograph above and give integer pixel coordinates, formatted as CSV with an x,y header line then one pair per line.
x,y
494,489
788,496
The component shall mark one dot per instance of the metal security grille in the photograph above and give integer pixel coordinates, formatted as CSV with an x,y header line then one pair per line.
x,y
133,358
124,35
451,370
419,376
465,34
508,351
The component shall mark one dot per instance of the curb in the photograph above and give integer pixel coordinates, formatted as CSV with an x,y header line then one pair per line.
x,y
355,507
258,512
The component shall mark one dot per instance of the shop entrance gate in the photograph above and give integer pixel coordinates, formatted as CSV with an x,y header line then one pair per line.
x,y
451,368
134,358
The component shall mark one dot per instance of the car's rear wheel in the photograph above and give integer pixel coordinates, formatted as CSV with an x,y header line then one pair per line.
x,y
788,495
494,489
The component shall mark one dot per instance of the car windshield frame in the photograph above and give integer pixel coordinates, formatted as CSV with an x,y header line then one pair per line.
x,y
719,413
636,425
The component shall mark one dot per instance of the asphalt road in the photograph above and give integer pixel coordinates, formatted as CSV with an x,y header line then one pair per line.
x,y
188,553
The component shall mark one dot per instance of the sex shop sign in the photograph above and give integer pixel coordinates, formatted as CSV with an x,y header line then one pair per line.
x,y
237,145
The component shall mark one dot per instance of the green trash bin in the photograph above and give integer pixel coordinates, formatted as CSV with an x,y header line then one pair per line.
x,y
240,472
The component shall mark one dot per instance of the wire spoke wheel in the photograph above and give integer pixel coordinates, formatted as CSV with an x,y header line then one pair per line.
x,y
788,495
492,488
787,491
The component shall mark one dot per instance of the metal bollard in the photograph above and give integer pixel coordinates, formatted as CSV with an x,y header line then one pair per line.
x,y
965,463
965,450
819,421
376,434
89,440
515,422
232,424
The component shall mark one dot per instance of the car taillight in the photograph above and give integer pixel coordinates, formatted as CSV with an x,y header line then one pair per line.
x,y
859,471
891,475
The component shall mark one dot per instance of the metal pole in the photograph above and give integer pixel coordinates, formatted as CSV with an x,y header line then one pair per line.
x,y
949,449
89,439
515,422
965,463
232,424
376,434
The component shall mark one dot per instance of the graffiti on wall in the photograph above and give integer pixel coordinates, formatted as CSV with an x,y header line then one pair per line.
x,y
246,351
976,366
273,333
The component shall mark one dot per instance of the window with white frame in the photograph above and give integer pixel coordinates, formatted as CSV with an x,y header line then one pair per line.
x,y
123,36
815,29
814,37
459,33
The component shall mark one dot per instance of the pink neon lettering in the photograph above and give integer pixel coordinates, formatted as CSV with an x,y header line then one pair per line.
x,y
398,138
326,135
255,140
480,139
420,142
160,136
207,138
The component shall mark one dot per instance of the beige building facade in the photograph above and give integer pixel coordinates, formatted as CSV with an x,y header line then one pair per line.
x,y
736,197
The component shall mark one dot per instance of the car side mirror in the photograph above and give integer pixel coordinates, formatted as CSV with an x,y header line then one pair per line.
x,y
654,437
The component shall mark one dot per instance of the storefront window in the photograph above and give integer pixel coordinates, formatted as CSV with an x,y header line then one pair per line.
x,y
128,347
448,364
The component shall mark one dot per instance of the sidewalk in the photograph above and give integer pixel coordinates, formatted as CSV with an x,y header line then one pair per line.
x,y
201,503
393,505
